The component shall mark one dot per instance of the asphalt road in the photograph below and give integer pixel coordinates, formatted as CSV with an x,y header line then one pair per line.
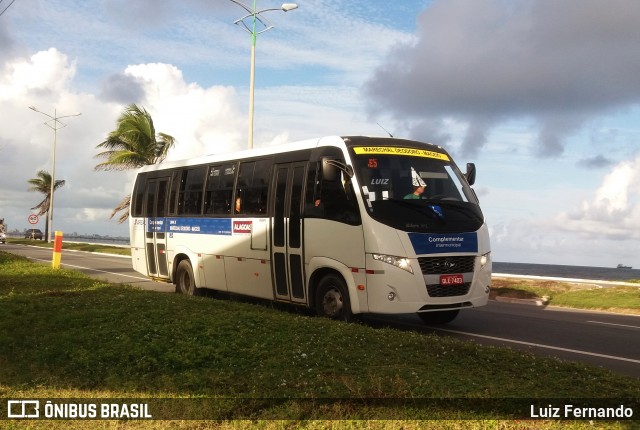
x,y
602,339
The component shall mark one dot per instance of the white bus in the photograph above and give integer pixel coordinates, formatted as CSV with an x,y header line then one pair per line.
x,y
342,225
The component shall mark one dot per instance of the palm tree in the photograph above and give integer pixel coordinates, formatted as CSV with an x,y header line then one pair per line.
x,y
134,143
42,184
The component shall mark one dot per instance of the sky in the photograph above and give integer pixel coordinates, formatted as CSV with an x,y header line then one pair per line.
x,y
544,96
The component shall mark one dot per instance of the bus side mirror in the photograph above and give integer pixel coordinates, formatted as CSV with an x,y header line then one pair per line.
x,y
331,169
471,173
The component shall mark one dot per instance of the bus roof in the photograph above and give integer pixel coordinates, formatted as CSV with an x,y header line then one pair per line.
x,y
337,141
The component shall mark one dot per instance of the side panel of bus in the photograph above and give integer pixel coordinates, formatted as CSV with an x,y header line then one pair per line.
x,y
309,239
333,235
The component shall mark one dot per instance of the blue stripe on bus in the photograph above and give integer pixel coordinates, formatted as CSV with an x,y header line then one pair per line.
x,y
431,243
219,226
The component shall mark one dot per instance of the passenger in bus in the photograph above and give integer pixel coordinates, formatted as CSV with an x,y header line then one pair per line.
x,y
238,206
314,210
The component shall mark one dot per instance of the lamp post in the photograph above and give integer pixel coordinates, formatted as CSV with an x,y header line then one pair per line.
x,y
252,30
54,123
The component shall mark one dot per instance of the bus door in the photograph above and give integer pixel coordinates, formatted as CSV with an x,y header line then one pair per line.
x,y
286,238
156,193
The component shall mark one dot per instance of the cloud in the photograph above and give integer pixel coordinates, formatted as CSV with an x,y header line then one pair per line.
x,y
152,13
432,130
45,73
123,89
521,240
614,210
595,162
7,43
141,13
203,120
309,112
490,61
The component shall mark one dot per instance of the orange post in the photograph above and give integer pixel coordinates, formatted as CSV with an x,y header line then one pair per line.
x,y
57,250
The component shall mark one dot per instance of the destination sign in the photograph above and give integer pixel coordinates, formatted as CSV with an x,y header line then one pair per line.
x,y
396,150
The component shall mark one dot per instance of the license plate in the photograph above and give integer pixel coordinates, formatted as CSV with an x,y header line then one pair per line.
x,y
451,279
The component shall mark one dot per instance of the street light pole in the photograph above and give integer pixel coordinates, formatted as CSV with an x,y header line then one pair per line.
x,y
252,30
54,123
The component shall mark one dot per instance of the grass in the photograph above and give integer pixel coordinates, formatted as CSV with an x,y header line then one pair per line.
x,y
89,247
64,335
579,296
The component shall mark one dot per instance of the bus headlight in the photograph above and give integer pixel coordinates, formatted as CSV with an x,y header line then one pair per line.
x,y
401,262
484,259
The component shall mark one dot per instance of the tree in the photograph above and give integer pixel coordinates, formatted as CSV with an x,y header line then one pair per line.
x,y
134,143
42,184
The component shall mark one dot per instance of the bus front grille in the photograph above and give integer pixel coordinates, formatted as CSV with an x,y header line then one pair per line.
x,y
437,290
446,265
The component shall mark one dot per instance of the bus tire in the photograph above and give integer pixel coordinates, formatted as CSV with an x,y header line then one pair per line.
x,y
441,317
185,280
332,299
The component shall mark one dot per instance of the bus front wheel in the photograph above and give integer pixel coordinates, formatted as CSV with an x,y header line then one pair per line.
x,y
332,299
185,281
441,317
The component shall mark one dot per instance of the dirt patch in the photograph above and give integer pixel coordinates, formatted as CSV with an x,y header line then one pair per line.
x,y
511,293
515,288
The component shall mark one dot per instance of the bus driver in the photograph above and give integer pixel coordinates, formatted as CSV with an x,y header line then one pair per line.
x,y
418,186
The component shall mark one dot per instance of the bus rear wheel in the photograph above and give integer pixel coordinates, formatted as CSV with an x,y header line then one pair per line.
x,y
332,299
185,280
442,317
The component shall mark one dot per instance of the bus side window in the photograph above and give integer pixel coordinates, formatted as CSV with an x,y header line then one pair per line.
x,y
213,183
151,199
312,204
138,196
222,194
253,187
173,194
191,189
245,179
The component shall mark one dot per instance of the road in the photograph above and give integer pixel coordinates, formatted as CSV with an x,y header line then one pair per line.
x,y
602,339
598,338
112,268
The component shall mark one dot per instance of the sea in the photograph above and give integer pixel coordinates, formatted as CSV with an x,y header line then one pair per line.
x,y
100,240
560,271
552,270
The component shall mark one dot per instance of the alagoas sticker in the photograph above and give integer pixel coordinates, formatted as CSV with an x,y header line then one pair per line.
x,y
396,150
242,227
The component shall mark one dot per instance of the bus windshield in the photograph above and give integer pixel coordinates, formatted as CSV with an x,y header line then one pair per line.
x,y
416,190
